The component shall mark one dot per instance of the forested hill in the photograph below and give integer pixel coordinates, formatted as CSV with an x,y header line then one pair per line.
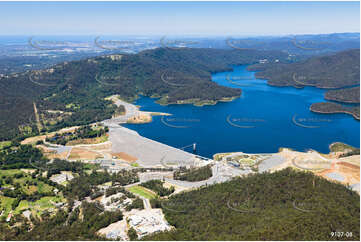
x,y
78,88
331,71
284,205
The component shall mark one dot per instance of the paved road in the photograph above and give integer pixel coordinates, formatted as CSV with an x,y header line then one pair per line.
x,y
130,111
146,203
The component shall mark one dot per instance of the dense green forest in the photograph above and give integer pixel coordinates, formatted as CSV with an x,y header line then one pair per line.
x,y
22,156
348,95
78,88
193,174
331,71
328,107
284,205
65,225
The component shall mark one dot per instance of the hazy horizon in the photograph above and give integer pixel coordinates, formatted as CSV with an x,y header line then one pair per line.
x,y
178,18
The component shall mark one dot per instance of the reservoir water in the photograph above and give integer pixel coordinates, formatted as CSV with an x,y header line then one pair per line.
x,y
262,120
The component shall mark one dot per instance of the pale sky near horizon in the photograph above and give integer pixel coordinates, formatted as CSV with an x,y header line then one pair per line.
x,y
179,18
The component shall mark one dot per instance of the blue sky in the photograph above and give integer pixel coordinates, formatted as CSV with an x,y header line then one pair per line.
x,y
179,18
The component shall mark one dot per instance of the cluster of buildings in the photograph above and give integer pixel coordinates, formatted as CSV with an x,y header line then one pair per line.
x,y
148,221
61,178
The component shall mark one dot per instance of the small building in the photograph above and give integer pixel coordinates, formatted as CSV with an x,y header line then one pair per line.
x,y
233,163
263,61
9,217
27,214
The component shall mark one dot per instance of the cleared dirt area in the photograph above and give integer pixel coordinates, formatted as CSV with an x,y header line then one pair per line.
x,y
345,170
34,139
142,118
96,140
52,154
105,146
84,154
142,191
349,172
124,156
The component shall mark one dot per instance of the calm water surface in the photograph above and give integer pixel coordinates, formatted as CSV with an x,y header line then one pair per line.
x,y
264,119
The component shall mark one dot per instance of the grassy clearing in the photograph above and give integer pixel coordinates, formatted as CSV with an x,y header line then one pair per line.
x,y
90,166
141,191
6,204
341,147
42,187
39,187
9,172
135,164
38,206
97,140
4,144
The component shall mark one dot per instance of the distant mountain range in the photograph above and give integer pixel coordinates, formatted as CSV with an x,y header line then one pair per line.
x,y
20,53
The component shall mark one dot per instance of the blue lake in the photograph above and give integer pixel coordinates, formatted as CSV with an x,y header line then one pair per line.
x,y
262,120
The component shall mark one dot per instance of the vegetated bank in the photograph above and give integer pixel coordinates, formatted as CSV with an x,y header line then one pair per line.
x,y
327,108
284,205
193,174
340,70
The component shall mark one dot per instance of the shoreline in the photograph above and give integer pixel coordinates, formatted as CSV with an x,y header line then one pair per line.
x,y
341,101
199,103
301,86
335,112
132,113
